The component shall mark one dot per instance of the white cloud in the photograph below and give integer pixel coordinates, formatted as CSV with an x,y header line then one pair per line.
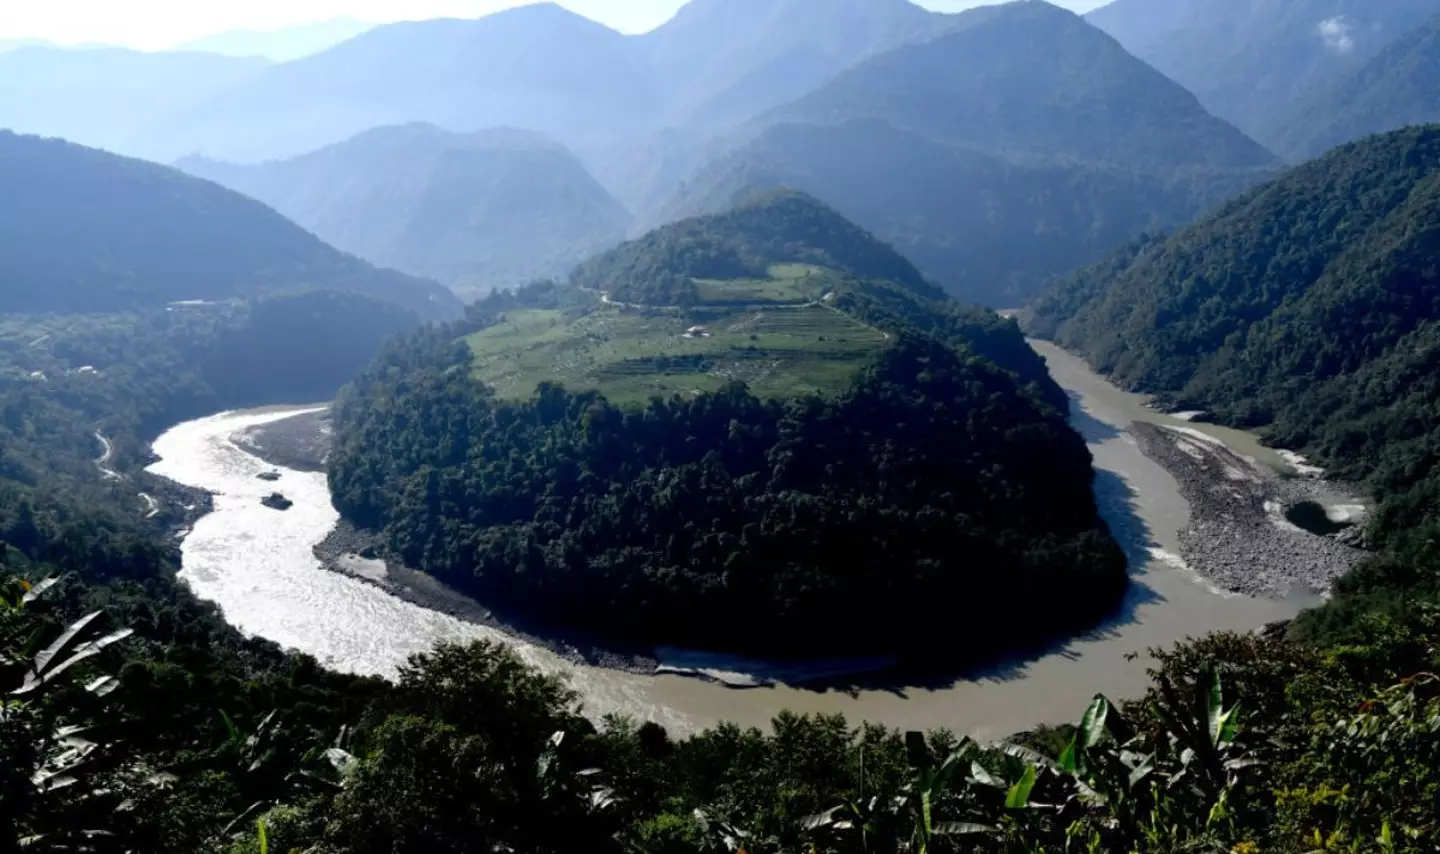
x,y
1335,33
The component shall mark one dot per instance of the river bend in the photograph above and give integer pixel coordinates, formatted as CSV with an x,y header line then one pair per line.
x,y
258,565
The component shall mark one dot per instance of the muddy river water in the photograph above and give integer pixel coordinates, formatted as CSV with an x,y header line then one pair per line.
x,y
257,564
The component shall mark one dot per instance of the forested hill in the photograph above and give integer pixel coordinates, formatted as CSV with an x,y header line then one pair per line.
x,y
775,227
475,211
1395,89
89,231
886,462
1311,306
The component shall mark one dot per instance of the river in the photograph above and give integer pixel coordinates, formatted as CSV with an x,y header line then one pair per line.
x,y
257,564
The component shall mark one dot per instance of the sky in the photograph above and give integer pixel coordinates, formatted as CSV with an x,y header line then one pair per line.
x,y
157,24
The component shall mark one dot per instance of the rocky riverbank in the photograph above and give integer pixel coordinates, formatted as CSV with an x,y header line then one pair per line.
x,y
301,442
1238,536
363,555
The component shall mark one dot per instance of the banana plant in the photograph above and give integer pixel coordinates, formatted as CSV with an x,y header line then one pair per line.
x,y
1203,737
65,757
909,820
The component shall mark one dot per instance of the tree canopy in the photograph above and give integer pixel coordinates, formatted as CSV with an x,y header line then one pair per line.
x,y
932,472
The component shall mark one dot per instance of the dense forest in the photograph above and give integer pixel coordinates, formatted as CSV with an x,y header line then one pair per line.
x,y
934,475
131,375
1310,308
88,231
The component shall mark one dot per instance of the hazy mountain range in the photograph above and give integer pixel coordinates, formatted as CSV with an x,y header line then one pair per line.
x,y
997,147
476,211
280,45
108,97
1021,143
1396,88
90,231
1253,61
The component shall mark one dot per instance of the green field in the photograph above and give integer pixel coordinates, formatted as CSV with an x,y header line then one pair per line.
x,y
788,284
632,356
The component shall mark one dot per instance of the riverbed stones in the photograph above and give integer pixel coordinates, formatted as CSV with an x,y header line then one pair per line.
x,y
1238,536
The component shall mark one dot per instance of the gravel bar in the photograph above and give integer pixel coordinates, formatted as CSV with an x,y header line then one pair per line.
x,y
1238,536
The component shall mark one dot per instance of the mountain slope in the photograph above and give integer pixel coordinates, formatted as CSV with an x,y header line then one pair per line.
x,y
283,45
1311,305
1395,89
106,97
727,60
88,231
1031,80
537,67
809,439
1251,62
991,231
476,211
1021,143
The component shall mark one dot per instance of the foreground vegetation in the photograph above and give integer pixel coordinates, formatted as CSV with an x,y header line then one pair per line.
x,y
112,741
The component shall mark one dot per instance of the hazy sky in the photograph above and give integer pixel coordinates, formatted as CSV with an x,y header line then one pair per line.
x,y
153,24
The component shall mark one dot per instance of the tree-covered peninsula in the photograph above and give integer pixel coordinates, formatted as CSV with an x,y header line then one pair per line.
x,y
841,461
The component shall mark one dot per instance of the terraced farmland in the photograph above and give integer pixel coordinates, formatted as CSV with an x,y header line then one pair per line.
x,y
631,355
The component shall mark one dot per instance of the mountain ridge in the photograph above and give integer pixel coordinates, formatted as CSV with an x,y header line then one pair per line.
x,y
493,208
96,232
1249,62
1392,90
1026,113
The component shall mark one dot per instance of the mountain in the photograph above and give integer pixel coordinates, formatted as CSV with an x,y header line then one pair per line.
x,y
1034,82
724,62
727,60
89,231
104,97
793,420
1310,306
990,230
783,227
1395,89
1252,61
282,45
476,211
1020,144
536,67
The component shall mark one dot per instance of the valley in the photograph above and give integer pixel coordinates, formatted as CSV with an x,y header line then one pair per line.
x,y
267,580
588,427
